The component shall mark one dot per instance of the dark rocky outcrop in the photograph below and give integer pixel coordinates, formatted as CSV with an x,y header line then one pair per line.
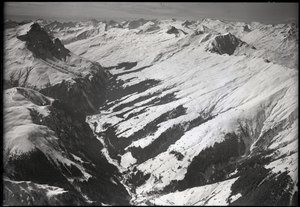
x,y
246,28
178,155
126,65
42,46
137,178
225,44
187,23
174,30
136,23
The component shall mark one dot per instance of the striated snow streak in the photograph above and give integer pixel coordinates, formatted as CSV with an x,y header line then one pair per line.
x,y
214,194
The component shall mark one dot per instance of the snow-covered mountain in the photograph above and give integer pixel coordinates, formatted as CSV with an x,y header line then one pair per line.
x,y
36,60
188,112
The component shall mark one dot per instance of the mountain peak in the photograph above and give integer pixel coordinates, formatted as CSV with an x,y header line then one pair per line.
x,y
35,27
41,45
225,44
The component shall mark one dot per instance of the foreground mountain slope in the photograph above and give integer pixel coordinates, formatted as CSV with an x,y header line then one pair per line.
x,y
54,150
51,156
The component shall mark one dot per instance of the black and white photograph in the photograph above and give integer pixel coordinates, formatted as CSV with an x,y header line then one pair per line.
x,y
150,103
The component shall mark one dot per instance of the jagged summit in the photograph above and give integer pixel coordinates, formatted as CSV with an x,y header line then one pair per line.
x,y
225,44
136,23
41,44
174,30
187,23
247,28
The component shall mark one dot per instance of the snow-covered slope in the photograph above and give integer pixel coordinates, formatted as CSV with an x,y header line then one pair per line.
x,y
179,100
276,43
196,113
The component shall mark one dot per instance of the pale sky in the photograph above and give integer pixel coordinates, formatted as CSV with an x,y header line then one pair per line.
x,y
67,11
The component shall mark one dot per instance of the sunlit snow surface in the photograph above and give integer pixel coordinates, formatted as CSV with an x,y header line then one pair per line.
x,y
216,194
241,88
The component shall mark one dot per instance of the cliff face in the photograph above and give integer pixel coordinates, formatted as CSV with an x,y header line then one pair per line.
x,y
229,44
41,45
